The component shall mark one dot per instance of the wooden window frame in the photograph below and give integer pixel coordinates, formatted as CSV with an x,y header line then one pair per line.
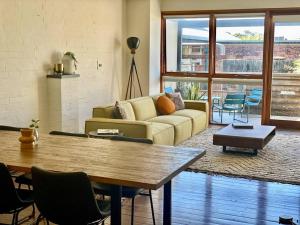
x,y
266,75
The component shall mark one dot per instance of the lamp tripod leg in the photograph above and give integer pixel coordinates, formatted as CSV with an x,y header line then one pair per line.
x,y
128,85
137,76
130,82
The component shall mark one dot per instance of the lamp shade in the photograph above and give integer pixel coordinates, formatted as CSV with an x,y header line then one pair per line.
x,y
133,43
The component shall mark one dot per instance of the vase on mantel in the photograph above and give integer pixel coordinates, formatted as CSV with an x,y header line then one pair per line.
x,y
27,138
36,136
69,64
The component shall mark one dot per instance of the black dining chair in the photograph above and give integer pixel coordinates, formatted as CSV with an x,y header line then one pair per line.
x,y
12,200
127,192
68,134
23,178
9,128
60,204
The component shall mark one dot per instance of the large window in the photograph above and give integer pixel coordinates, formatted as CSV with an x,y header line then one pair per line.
x,y
240,42
255,53
187,44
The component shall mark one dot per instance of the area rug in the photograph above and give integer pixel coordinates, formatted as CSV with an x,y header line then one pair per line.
x,y
279,161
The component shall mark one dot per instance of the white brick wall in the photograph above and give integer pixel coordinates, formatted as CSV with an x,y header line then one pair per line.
x,y
33,32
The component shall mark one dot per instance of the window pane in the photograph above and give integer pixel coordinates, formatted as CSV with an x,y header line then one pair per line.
x,y
286,69
190,89
223,90
239,45
187,47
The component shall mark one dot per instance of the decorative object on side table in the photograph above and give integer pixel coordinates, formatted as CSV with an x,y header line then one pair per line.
x,y
35,126
58,68
27,138
242,126
286,220
70,63
105,133
133,44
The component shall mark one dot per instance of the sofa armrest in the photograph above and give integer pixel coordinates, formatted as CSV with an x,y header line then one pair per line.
x,y
135,129
197,105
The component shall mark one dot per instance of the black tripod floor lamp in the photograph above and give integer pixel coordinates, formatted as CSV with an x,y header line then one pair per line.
x,y
133,44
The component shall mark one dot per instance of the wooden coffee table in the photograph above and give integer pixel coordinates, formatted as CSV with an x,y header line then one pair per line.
x,y
255,138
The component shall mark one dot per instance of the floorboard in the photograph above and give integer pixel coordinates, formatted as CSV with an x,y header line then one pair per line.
x,y
200,199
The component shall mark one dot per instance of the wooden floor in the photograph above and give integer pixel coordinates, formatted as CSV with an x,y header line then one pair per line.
x,y
200,199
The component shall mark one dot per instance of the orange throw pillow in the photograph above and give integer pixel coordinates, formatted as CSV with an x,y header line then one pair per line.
x,y
165,106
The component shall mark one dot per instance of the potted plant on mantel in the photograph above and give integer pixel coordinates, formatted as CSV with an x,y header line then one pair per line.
x,y
70,63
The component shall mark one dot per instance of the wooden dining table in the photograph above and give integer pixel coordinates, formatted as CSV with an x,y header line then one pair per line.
x,y
112,162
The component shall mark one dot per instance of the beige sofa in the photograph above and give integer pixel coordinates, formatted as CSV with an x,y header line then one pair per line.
x,y
145,122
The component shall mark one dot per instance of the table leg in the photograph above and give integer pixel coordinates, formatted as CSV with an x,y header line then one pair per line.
x,y
255,152
167,216
116,212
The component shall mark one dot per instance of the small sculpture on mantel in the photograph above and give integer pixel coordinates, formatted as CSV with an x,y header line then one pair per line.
x,y
70,63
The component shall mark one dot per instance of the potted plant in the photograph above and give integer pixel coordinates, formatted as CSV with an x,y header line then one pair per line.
x,y
70,63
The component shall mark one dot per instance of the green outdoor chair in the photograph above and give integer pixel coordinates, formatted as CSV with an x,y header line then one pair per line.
x,y
253,100
232,103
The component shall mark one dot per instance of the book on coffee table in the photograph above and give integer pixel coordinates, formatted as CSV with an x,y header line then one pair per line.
x,y
242,126
108,131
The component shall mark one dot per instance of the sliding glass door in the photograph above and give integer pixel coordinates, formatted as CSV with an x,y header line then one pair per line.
x,y
238,68
285,96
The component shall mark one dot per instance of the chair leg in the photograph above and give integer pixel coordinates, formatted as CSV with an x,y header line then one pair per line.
x,y
37,222
13,219
221,116
247,114
132,210
17,218
152,208
33,210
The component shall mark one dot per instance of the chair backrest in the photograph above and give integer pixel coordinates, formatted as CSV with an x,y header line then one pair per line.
x,y
234,99
257,92
68,134
9,128
169,90
65,198
130,139
9,200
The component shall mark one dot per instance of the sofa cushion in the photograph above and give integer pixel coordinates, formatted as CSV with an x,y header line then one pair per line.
x,y
182,126
177,99
143,107
155,97
119,111
127,107
165,105
108,111
103,111
198,118
163,133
